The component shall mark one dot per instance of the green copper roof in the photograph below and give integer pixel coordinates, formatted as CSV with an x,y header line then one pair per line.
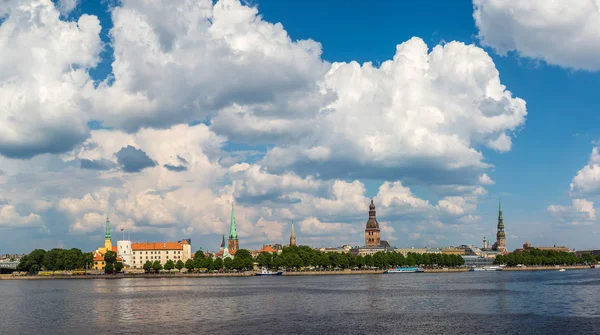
x,y
107,235
232,229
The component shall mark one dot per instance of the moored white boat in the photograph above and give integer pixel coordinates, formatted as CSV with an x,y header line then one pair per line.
x,y
561,270
486,268
267,272
405,270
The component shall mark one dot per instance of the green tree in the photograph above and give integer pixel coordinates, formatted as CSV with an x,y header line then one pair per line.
x,y
119,266
179,265
88,260
207,263
110,257
217,264
109,268
189,264
238,263
157,266
199,255
148,266
228,263
169,265
265,259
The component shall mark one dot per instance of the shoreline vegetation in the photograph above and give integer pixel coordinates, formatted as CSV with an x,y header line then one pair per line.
x,y
297,261
288,273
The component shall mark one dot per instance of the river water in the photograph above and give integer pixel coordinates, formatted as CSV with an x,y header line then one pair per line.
x,y
545,302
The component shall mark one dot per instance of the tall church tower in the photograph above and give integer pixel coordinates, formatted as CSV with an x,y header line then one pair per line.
x,y
500,235
293,237
107,237
234,243
222,244
372,233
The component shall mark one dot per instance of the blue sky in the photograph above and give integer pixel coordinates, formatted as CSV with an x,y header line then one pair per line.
x,y
250,115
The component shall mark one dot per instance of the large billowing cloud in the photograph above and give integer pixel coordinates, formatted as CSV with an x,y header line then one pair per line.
x,y
43,69
320,129
563,33
200,58
419,115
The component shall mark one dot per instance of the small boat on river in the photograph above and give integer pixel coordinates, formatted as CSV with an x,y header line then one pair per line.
x,y
486,268
561,270
405,270
267,272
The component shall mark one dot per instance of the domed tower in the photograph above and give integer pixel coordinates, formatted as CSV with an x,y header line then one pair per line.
x,y
372,233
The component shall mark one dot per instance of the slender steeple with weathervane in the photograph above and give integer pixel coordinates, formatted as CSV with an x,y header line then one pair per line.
x,y
293,237
233,243
500,244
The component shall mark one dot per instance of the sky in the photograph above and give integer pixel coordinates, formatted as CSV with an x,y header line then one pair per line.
x,y
162,114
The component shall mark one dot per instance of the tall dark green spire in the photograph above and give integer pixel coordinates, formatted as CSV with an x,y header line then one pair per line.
x,y
107,235
232,227
500,218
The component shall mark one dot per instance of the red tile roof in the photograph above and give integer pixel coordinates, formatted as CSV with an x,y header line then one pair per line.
x,y
267,248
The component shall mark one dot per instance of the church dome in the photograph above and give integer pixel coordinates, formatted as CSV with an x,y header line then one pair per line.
x,y
372,223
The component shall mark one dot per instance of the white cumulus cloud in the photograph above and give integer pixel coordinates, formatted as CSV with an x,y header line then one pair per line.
x,y
563,33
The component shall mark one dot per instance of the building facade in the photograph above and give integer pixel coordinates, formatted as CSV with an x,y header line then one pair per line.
x,y
372,232
141,252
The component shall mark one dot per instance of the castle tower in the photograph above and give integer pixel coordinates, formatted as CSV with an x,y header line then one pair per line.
x,y
484,243
372,232
500,235
234,243
293,237
107,237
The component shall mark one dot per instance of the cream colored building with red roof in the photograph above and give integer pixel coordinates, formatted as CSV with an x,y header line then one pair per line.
x,y
137,253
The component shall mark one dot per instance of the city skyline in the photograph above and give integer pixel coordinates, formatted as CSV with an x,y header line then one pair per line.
x,y
427,109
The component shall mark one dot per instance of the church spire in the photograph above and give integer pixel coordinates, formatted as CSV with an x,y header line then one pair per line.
x,y
107,234
223,242
293,237
233,243
232,227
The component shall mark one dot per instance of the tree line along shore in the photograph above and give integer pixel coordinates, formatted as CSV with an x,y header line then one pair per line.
x,y
292,259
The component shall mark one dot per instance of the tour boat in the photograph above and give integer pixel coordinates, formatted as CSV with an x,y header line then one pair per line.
x,y
403,270
267,272
486,268
561,270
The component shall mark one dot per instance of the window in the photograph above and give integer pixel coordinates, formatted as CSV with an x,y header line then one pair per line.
x,y
167,251
146,252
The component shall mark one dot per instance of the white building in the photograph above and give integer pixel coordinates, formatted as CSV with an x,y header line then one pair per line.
x,y
137,253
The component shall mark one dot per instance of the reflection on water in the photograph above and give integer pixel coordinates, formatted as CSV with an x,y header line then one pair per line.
x,y
497,302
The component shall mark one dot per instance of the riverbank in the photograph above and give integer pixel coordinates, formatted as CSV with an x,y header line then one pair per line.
x,y
547,268
324,273
291,273
109,277
446,270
